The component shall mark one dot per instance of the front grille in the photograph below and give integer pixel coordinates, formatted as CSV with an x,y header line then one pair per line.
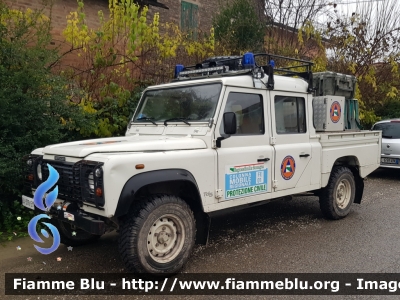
x,y
73,183
69,187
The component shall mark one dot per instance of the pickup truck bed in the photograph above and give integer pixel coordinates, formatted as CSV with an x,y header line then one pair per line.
x,y
356,146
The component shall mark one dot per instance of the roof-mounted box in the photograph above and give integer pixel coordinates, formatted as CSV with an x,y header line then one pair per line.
x,y
331,83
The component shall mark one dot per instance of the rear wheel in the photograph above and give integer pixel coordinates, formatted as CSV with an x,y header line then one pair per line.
x,y
158,236
338,196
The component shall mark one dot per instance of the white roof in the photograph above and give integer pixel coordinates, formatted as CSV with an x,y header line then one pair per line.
x,y
282,83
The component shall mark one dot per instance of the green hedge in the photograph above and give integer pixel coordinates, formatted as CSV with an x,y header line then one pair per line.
x,y
32,102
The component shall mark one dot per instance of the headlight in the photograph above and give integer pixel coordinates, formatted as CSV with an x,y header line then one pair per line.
x,y
29,162
39,171
98,172
91,181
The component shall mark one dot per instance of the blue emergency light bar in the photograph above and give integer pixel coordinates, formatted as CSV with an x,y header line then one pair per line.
x,y
199,71
246,64
248,60
272,63
178,69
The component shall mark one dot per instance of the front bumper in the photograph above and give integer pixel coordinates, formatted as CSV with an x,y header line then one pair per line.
x,y
76,217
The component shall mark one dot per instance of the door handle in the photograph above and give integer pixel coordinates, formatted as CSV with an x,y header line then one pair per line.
x,y
262,159
304,155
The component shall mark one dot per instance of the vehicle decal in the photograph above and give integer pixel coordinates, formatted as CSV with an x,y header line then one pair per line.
x,y
245,180
335,112
288,167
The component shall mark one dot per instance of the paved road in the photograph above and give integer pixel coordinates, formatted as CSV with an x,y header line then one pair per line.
x,y
284,236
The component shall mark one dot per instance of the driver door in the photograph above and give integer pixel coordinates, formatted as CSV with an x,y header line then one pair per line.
x,y
245,158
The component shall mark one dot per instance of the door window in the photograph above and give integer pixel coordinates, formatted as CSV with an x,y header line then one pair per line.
x,y
290,115
249,112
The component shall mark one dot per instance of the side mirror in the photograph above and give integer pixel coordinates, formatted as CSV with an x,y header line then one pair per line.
x,y
229,120
229,123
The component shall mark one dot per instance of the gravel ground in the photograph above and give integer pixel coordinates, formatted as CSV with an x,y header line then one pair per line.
x,y
283,236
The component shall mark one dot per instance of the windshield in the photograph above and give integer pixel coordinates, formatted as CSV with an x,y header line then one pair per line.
x,y
390,130
189,103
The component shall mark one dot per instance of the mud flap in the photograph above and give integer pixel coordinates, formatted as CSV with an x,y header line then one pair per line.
x,y
203,222
359,189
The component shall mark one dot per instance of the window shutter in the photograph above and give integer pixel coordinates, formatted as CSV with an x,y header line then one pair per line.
x,y
189,17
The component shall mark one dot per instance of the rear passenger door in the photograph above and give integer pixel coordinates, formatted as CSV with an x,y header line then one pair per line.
x,y
291,141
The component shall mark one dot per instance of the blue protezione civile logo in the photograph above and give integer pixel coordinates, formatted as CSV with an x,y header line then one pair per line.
x,y
38,201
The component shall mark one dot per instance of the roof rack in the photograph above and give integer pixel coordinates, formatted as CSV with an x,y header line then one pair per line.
x,y
247,64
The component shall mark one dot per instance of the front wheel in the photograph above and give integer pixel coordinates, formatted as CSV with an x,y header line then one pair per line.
x,y
338,196
158,237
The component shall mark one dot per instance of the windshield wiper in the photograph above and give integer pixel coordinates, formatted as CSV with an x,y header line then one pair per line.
x,y
177,119
387,136
146,119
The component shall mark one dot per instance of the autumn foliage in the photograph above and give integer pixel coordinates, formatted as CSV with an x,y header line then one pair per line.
x,y
127,52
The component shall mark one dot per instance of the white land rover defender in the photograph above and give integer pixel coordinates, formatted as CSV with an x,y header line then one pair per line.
x,y
225,133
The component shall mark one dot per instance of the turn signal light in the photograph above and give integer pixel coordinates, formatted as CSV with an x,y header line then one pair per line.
x,y
99,192
30,177
140,166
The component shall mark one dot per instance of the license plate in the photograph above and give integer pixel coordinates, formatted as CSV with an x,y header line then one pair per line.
x,y
389,160
28,202
69,216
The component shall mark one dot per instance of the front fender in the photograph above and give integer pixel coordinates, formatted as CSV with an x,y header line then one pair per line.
x,y
136,182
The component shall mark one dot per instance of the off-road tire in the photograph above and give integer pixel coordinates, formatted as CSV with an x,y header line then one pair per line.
x,y
67,238
157,236
337,197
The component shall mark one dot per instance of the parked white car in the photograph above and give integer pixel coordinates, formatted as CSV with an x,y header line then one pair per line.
x,y
390,157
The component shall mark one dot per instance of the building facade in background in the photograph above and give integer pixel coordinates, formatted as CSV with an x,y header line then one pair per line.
x,y
190,15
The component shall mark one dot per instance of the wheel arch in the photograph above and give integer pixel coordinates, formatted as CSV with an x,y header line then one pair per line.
x,y
353,164
350,160
179,182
